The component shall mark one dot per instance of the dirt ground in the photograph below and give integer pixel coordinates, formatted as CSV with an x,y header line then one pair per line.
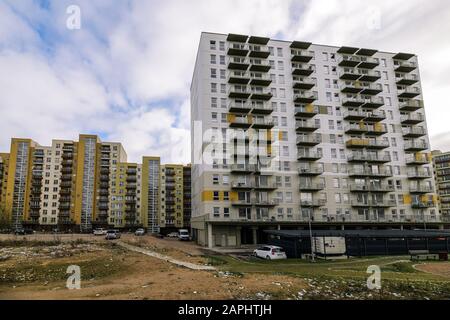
x,y
437,268
110,272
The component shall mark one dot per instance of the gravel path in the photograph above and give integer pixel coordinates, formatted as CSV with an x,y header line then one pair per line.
x,y
154,254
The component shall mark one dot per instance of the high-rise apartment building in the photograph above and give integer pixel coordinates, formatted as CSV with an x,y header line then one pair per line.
x,y
84,184
288,132
174,193
441,166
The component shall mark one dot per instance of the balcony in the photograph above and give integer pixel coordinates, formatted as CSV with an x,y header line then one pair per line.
x,y
368,157
238,63
260,79
372,89
303,83
348,61
382,188
262,123
404,79
309,140
373,203
355,101
313,203
373,102
367,172
308,155
410,105
259,65
367,143
355,128
418,174
242,168
240,107
349,74
311,186
259,107
355,115
299,69
265,202
412,118
237,49
306,111
417,159
420,189
368,62
237,91
408,92
238,77
413,132
376,129
305,97
265,185
241,203
259,51
369,75
351,87
238,121
404,66
260,93
422,204
306,126
415,146
376,116
310,171
298,55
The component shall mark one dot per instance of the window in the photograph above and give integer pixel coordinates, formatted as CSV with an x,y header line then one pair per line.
x,y
213,87
225,179
285,151
213,59
216,211
213,102
333,154
222,60
326,69
222,74
283,106
222,45
328,94
226,196
385,75
215,179
280,52
281,79
226,212
214,116
383,63
212,45
325,56
280,65
216,195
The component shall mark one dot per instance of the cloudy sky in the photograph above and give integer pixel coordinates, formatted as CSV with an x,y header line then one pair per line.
x,y
125,74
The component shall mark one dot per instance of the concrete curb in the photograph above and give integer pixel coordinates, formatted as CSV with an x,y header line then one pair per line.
x,y
154,254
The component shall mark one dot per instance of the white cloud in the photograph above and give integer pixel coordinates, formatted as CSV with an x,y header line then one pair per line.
x,y
127,72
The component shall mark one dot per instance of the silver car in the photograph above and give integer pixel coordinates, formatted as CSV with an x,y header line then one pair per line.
x,y
112,235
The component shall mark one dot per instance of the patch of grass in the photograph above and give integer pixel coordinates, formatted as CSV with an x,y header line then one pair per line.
x,y
215,260
403,267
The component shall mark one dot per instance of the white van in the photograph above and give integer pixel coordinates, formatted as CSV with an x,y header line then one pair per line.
x,y
183,234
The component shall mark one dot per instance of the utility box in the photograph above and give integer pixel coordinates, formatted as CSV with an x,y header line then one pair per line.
x,y
329,246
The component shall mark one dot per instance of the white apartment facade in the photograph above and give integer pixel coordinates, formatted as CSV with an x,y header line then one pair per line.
x,y
336,136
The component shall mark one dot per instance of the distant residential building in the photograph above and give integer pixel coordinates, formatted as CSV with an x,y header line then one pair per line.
x,y
441,165
84,184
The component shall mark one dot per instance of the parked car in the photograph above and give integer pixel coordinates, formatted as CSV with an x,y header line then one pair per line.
x,y
139,232
112,235
99,232
22,231
173,235
270,253
183,235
